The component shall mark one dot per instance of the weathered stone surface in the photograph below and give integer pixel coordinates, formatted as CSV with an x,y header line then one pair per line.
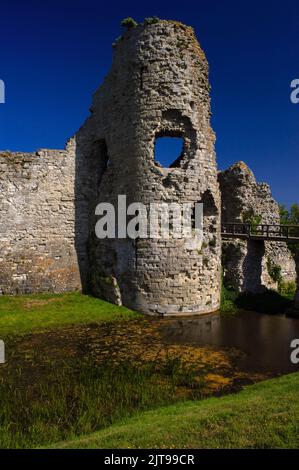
x,y
246,264
37,251
158,86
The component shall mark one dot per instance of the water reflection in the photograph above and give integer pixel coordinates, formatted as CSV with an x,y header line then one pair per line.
x,y
265,339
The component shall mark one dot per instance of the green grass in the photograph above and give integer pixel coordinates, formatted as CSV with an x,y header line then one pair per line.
x,y
265,415
57,388
28,313
58,402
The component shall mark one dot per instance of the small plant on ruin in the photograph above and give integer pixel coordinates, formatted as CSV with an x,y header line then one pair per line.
x,y
129,23
274,271
152,20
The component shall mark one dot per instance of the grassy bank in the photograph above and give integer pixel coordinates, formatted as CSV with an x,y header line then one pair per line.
x,y
71,370
77,398
265,415
78,379
28,313
76,368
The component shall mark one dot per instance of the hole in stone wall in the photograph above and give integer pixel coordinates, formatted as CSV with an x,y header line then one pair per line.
x,y
209,206
168,151
193,217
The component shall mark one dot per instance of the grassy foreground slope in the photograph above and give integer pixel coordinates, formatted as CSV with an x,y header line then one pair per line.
x,y
265,415
29,313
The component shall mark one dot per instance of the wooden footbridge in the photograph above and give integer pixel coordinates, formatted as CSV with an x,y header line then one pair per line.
x,y
277,233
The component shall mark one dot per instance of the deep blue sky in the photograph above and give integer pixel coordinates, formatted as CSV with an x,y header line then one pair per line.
x,y
54,54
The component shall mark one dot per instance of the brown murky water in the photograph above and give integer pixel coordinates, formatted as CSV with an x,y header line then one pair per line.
x,y
264,339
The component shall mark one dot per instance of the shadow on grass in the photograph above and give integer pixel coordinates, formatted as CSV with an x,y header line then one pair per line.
x,y
270,302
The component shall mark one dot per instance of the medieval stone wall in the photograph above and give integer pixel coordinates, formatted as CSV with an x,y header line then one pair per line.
x,y
158,86
246,263
37,225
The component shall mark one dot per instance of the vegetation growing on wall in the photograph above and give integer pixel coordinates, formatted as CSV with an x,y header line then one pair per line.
x,y
228,300
274,270
254,220
151,20
129,23
287,289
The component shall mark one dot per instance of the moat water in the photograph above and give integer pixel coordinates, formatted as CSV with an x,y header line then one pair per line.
x,y
264,339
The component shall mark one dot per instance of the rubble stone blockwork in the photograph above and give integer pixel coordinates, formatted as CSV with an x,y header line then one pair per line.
x,y
37,249
246,263
158,86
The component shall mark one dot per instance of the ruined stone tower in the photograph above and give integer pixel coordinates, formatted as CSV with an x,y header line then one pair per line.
x,y
158,86
246,263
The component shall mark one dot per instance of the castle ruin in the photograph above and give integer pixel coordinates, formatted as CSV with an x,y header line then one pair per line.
x,y
158,86
247,263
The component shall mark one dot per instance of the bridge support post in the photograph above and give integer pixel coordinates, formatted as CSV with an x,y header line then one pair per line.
x,y
243,265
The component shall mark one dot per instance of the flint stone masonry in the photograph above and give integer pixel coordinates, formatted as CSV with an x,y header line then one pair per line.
x,y
246,263
158,86
37,249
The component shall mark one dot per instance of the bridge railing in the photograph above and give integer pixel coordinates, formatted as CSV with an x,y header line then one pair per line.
x,y
261,231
